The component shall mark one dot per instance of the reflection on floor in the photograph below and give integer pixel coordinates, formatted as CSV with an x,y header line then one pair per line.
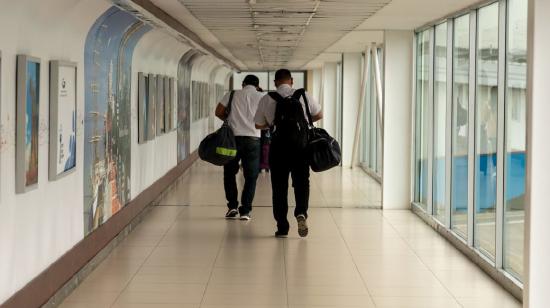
x,y
189,256
203,185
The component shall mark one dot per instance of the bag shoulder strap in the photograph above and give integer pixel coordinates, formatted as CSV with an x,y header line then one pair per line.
x,y
228,108
276,96
302,93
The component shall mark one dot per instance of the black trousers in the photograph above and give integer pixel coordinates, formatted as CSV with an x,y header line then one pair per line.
x,y
248,151
283,162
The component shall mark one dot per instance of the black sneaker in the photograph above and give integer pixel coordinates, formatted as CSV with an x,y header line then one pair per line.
x,y
245,216
302,225
232,214
281,234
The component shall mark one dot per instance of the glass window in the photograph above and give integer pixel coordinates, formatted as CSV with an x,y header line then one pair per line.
x,y
440,120
461,68
339,103
486,130
514,181
372,121
378,115
423,49
238,79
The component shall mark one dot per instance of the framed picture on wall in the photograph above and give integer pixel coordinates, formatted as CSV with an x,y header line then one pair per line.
x,y
167,105
173,103
143,107
27,119
160,105
151,108
62,158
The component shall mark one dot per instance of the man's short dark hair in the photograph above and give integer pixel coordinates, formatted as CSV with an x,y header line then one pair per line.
x,y
283,75
251,80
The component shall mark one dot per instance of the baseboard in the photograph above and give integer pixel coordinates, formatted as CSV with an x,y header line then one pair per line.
x,y
55,283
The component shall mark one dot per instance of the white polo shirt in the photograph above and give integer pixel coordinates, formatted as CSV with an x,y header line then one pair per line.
x,y
266,110
243,108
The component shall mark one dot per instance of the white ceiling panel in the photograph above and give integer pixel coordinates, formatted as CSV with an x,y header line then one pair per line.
x,y
268,34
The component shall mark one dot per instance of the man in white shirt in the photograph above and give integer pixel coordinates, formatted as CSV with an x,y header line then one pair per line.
x,y
285,157
241,120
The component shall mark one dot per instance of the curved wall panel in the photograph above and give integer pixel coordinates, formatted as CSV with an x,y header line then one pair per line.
x,y
108,57
156,53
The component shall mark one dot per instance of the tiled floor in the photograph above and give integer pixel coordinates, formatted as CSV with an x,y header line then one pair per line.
x,y
203,185
189,256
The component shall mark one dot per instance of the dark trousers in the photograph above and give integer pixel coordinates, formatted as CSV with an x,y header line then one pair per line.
x,y
248,151
282,163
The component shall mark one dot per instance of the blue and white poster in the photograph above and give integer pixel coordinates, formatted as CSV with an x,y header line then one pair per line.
x,y
66,119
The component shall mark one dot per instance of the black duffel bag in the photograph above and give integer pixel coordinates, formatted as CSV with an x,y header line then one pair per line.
x,y
323,151
220,147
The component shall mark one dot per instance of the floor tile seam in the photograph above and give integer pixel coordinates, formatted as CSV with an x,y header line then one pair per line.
x,y
422,261
145,260
285,273
220,247
352,257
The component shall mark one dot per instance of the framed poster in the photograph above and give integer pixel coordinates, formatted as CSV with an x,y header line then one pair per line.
x,y
167,105
62,119
173,105
27,116
143,107
151,108
160,105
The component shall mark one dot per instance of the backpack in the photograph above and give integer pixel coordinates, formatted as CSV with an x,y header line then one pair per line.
x,y
290,125
220,147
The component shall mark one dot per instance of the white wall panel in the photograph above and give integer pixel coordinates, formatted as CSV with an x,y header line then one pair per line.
x,y
39,226
397,119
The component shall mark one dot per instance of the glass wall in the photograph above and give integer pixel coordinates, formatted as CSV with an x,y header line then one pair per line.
x,y
339,106
461,94
487,157
371,139
423,52
440,121
514,164
266,79
486,129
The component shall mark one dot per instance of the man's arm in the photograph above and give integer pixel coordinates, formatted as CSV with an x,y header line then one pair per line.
x,y
261,126
317,117
221,112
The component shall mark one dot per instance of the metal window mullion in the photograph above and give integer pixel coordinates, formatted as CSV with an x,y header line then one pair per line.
x,y
430,119
501,125
413,122
449,125
471,127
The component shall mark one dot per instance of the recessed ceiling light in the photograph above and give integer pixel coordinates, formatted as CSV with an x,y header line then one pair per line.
x,y
251,1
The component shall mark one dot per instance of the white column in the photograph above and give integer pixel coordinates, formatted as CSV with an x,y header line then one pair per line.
x,y
351,96
397,115
537,224
329,97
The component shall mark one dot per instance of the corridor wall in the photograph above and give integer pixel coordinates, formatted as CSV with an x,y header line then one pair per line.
x,y
40,226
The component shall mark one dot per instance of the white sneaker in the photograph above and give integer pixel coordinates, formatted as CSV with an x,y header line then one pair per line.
x,y
302,225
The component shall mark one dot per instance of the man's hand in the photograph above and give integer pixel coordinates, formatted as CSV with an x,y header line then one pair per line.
x,y
221,112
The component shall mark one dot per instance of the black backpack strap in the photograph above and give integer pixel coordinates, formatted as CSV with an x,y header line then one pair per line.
x,y
302,93
276,96
228,108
